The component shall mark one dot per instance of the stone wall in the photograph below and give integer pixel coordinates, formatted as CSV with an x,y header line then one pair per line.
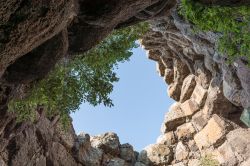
x,y
210,95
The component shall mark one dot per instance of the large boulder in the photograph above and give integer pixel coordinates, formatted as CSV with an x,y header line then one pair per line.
x,y
156,154
108,142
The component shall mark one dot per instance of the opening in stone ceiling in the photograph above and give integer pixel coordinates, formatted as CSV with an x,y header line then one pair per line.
x,y
140,103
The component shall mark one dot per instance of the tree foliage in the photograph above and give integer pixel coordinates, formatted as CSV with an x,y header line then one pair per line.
x,y
232,22
86,78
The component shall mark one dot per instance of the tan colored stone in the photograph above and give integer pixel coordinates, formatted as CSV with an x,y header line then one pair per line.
x,y
166,139
216,102
194,162
181,152
180,73
108,142
245,163
225,155
187,88
174,91
212,133
199,120
199,95
185,131
239,141
189,107
173,118
194,150
160,68
179,164
2,163
156,154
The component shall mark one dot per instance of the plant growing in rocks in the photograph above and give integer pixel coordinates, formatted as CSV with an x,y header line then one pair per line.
x,y
86,78
208,160
232,22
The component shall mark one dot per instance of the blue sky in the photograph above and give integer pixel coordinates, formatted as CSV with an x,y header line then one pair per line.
x,y
140,103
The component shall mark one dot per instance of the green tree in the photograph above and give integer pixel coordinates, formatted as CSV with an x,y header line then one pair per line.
x,y
86,78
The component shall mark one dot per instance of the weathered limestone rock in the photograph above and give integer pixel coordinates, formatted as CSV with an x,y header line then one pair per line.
x,y
245,163
167,139
2,162
179,164
199,95
199,120
156,154
225,155
194,162
194,150
216,101
243,73
116,162
187,88
185,131
108,142
26,25
127,153
84,139
213,133
231,85
90,156
181,152
173,118
210,93
160,68
189,107
169,76
180,72
153,55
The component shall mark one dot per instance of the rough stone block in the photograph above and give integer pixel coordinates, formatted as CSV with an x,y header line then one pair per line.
x,y
174,118
245,163
189,107
160,68
187,88
156,154
169,76
194,162
108,142
174,91
154,55
181,152
199,120
212,133
225,155
185,131
179,164
166,139
240,143
199,95
127,153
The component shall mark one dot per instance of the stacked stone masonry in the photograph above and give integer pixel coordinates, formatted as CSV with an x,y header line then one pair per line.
x,y
210,94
